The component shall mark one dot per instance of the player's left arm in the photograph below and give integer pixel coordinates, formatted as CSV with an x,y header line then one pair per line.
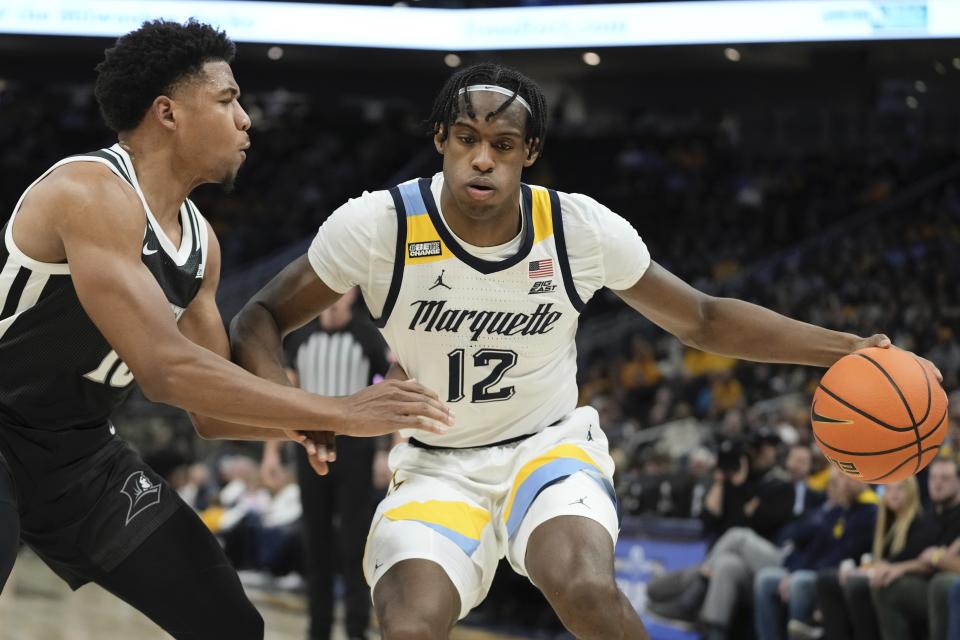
x,y
736,328
202,324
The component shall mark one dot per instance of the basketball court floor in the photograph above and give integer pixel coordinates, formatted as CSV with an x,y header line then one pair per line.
x,y
36,605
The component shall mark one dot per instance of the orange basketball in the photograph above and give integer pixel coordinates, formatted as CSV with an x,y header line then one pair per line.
x,y
879,415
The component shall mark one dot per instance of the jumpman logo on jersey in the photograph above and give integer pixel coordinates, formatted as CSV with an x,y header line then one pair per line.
x,y
581,501
439,282
590,433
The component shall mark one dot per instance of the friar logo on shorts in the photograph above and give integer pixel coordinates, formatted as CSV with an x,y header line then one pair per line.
x,y
423,249
143,494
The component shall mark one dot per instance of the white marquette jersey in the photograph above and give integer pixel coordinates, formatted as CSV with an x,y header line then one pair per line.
x,y
495,338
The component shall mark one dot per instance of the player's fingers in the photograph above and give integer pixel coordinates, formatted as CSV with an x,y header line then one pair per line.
x,y
429,407
301,439
935,369
319,466
431,425
321,452
413,421
329,438
881,340
430,410
416,387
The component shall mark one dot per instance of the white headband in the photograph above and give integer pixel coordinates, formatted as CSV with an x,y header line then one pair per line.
x,y
497,89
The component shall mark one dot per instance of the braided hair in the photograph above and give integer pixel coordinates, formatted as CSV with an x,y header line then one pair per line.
x,y
450,103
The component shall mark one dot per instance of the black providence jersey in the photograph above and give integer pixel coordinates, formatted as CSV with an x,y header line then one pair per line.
x,y
59,377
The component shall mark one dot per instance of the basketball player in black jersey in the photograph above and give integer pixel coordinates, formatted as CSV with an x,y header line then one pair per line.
x,y
487,138
108,274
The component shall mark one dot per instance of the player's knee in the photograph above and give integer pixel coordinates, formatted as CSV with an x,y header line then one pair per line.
x,y
401,618
587,595
408,626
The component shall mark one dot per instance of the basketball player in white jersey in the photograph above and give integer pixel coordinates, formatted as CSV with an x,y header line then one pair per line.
x,y
108,275
476,281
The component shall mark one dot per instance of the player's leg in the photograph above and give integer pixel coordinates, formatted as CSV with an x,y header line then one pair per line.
x,y
562,523
416,600
9,524
180,578
570,559
432,550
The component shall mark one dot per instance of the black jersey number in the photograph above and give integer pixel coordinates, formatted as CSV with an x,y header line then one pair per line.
x,y
501,359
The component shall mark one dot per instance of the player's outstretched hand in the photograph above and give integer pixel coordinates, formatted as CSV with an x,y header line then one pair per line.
x,y
392,405
882,341
321,448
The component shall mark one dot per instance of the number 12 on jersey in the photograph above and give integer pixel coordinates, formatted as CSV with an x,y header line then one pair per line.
x,y
501,359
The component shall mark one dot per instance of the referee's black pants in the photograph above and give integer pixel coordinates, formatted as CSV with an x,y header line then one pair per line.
x,y
337,510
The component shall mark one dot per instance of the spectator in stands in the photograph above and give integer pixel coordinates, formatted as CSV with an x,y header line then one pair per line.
x,y
902,532
699,467
724,505
713,591
844,530
639,374
262,531
763,448
904,595
945,592
780,501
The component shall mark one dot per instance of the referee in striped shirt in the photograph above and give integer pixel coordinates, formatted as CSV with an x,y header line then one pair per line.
x,y
336,356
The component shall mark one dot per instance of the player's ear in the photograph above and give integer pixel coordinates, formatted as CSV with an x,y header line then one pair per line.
x,y
532,147
163,110
438,139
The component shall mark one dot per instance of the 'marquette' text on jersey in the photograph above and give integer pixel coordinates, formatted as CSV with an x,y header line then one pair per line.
x,y
432,315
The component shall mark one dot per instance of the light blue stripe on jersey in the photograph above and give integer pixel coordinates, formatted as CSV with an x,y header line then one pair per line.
x,y
467,545
545,476
535,483
412,198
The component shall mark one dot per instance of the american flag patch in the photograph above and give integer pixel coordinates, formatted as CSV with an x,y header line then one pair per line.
x,y
541,268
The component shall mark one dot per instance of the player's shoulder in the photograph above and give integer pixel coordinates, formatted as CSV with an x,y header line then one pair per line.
x,y
582,213
361,222
370,204
76,189
79,181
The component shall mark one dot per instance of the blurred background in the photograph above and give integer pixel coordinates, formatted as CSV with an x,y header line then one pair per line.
x,y
810,168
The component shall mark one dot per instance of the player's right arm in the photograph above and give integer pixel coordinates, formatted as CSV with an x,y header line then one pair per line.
x,y
339,258
99,222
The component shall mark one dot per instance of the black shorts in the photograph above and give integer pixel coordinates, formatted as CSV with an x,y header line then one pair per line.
x,y
85,522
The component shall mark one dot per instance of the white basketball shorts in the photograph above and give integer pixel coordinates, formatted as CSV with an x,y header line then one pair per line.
x,y
466,509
